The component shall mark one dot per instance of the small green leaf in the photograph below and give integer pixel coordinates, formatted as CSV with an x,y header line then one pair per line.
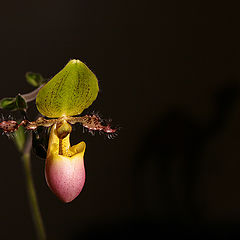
x,y
8,104
20,102
69,92
34,79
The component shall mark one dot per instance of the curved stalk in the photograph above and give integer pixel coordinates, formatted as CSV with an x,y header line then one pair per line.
x,y
28,97
36,215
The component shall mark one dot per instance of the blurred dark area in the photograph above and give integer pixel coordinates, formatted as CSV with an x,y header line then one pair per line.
x,y
169,75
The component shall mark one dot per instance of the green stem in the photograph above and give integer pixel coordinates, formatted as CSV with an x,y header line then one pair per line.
x,y
36,215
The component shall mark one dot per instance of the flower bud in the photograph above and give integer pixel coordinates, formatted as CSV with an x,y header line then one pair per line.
x,y
64,169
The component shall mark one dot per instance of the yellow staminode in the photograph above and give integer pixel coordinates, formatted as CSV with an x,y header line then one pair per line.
x,y
58,146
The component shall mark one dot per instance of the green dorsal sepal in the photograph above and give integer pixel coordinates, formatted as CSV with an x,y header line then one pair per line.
x,y
69,92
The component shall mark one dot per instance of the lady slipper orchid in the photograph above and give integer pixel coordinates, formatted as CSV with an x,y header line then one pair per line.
x,y
62,99
64,168
68,93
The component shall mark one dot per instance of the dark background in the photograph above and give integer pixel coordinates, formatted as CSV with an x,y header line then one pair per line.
x,y
169,76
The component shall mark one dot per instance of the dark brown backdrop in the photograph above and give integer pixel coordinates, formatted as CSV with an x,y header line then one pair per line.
x,y
169,75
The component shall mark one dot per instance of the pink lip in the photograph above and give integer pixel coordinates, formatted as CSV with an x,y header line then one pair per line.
x,y
64,167
65,176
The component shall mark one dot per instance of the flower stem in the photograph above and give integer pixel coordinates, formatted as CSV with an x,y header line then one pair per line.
x,y
36,215
28,97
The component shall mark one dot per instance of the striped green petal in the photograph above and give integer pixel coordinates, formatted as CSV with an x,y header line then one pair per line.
x,y
69,92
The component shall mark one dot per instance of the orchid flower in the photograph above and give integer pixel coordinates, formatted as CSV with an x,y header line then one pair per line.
x,y
66,95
